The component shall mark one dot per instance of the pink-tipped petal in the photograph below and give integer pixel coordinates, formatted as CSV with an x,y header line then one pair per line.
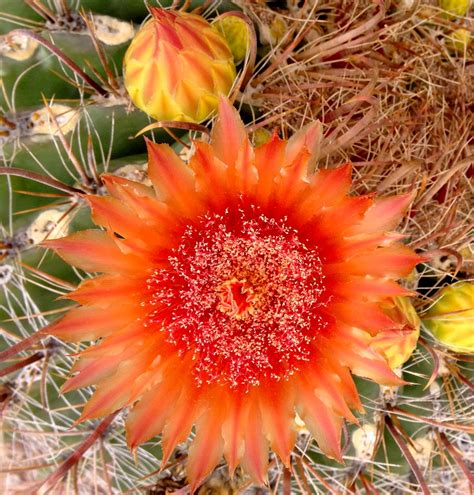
x,y
384,215
323,423
207,447
308,137
228,134
255,459
233,430
368,288
104,290
148,417
179,424
95,251
172,179
391,261
91,323
277,409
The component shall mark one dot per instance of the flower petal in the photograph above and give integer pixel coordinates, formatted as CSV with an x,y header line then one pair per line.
x,y
178,425
269,159
322,422
277,409
95,251
207,447
228,134
107,289
365,315
255,458
309,138
148,417
88,323
367,288
233,429
172,179
211,174
116,217
391,261
327,188
384,215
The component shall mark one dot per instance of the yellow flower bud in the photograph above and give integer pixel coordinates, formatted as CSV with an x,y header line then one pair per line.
x,y
398,345
459,40
177,66
236,33
451,318
455,7
261,136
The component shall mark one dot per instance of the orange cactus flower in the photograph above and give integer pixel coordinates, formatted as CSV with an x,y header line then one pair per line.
x,y
237,292
177,66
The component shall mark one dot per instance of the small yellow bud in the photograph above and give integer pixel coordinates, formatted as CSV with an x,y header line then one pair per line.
x,y
177,66
451,318
278,29
236,33
261,136
455,7
459,40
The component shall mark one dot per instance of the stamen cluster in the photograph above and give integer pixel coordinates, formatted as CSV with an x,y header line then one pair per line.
x,y
244,294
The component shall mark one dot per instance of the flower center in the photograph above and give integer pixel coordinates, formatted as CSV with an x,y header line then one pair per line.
x,y
236,298
243,294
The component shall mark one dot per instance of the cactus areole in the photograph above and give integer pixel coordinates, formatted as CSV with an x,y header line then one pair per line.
x,y
235,293
177,66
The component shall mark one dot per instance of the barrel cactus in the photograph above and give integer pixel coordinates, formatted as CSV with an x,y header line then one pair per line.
x,y
234,248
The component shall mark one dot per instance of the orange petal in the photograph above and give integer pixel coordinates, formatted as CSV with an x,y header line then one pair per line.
x,y
95,251
117,390
121,188
327,188
277,408
391,261
308,138
246,175
344,215
355,352
292,182
255,459
384,215
143,202
269,159
207,447
365,315
322,422
148,417
107,289
367,288
362,243
346,383
233,430
211,174
91,323
172,179
115,216
327,386
228,134
92,372
179,424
